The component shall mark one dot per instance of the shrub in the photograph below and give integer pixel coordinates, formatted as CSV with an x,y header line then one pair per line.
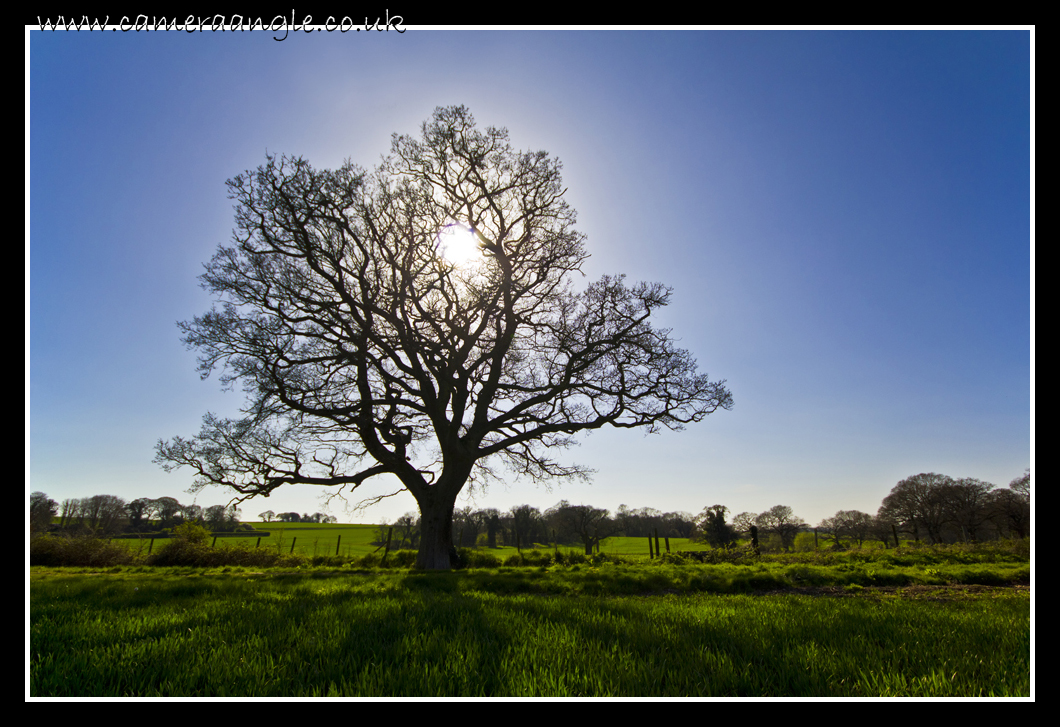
x,y
482,559
191,533
537,557
805,543
57,551
192,548
402,558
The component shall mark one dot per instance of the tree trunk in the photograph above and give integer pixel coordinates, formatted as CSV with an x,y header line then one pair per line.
x,y
436,533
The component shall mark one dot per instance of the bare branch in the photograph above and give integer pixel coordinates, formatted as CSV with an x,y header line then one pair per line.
x,y
363,351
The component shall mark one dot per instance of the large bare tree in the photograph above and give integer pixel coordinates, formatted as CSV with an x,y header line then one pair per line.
x,y
366,348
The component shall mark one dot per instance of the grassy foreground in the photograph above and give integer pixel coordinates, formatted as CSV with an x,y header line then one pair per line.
x,y
513,632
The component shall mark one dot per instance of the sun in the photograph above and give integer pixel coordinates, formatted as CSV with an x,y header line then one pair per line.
x,y
458,244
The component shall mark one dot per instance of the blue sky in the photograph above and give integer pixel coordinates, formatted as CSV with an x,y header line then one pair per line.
x,y
845,217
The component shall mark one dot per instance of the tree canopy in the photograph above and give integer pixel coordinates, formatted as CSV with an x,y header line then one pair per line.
x,y
364,350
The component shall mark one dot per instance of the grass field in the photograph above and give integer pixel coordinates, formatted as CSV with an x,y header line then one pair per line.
x,y
350,541
501,632
313,539
915,621
308,539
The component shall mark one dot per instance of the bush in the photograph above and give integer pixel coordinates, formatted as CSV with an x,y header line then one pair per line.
x,y
191,548
191,533
481,559
805,542
402,558
537,557
57,551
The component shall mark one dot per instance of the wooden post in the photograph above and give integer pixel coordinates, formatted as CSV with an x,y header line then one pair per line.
x,y
657,551
293,541
150,545
258,544
214,543
667,543
815,538
651,553
387,551
338,544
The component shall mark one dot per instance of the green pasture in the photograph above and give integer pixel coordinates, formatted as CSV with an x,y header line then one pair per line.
x,y
313,539
309,539
355,541
632,630
317,539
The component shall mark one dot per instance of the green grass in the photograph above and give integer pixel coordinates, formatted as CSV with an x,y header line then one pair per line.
x,y
561,631
313,539
309,539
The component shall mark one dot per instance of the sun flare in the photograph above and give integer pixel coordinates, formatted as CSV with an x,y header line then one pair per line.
x,y
458,244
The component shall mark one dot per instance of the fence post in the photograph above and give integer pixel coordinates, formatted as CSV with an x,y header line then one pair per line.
x,y
651,553
258,544
293,541
150,545
214,543
389,532
667,543
338,544
657,551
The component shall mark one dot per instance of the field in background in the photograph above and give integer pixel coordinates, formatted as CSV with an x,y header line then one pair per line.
x,y
313,539
347,540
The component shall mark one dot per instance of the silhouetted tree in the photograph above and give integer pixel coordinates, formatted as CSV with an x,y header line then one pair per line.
x,y
139,512
105,513
742,523
1011,507
918,505
779,520
221,519
715,530
970,503
491,519
41,511
848,524
365,351
588,524
529,525
169,512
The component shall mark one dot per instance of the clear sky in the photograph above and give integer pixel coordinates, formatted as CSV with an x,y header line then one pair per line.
x,y
845,217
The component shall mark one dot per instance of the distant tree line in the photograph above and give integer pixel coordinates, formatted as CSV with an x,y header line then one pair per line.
x,y
293,517
940,509
926,507
112,515
934,508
